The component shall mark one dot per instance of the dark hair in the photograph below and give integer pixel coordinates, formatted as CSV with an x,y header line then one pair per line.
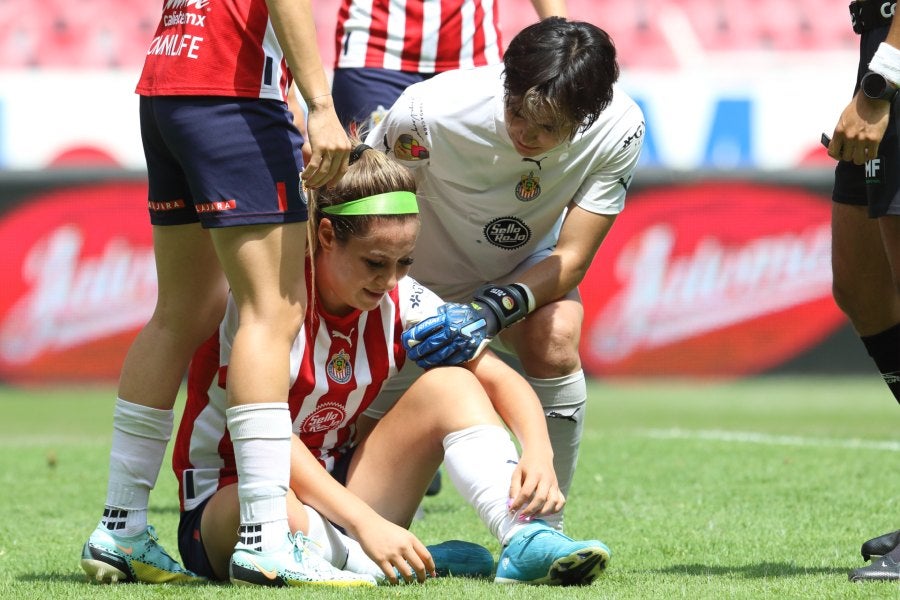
x,y
371,173
563,68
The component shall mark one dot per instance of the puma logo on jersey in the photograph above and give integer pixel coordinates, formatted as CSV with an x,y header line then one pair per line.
x,y
535,161
341,336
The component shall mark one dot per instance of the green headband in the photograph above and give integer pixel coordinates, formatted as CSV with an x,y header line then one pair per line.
x,y
390,203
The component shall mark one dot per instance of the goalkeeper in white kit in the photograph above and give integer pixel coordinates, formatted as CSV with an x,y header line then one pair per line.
x,y
521,170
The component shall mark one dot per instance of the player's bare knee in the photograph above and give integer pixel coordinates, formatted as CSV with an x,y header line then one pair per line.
x,y
185,329
553,354
452,395
554,366
278,322
843,298
868,312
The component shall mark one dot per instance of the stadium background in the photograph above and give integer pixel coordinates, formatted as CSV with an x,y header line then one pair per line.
x,y
719,266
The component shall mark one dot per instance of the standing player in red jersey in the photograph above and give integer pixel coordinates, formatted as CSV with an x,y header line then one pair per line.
x,y
383,46
364,466
223,164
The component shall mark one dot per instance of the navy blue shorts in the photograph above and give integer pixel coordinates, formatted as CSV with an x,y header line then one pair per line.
x,y
358,93
190,544
342,465
877,183
221,162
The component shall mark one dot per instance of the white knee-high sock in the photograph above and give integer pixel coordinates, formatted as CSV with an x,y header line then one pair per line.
x,y
563,399
342,551
261,434
140,436
480,461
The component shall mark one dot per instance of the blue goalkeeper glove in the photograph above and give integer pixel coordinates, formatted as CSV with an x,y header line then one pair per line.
x,y
459,332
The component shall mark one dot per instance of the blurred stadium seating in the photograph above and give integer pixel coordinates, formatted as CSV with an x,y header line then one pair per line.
x,y
102,34
88,34
664,33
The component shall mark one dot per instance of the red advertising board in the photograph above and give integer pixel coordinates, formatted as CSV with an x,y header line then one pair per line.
x,y
710,279
714,278
79,281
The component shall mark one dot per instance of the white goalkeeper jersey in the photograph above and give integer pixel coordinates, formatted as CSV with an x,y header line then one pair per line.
x,y
484,207
338,366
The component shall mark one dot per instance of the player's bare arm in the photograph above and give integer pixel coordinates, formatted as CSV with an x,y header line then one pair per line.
x,y
296,32
862,124
550,8
580,237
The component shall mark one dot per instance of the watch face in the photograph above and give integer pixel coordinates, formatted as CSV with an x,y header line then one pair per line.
x,y
874,86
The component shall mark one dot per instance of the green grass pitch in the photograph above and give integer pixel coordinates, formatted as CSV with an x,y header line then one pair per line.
x,y
758,488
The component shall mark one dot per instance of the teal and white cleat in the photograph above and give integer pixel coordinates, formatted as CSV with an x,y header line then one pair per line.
x,y
111,558
538,554
293,565
456,558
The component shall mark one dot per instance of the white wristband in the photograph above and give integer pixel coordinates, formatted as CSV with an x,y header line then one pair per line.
x,y
528,295
886,63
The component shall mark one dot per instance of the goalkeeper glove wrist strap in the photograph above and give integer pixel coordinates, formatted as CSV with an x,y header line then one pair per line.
x,y
509,303
529,297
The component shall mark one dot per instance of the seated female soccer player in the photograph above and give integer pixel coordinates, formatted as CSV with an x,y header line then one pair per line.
x,y
365,468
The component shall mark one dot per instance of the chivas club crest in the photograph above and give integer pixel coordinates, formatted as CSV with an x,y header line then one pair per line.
x,y
339,368
528,188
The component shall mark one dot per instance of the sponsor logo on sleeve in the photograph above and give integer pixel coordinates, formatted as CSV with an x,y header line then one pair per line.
x,y
408,148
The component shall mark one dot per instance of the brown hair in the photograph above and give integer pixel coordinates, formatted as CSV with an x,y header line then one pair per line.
x,y
560,72
371,173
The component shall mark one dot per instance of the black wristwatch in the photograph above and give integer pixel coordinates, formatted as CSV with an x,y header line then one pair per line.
x,y
876,87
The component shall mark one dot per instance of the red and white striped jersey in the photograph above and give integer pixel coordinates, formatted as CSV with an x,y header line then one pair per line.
x,y
419,36
221,48
338,365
